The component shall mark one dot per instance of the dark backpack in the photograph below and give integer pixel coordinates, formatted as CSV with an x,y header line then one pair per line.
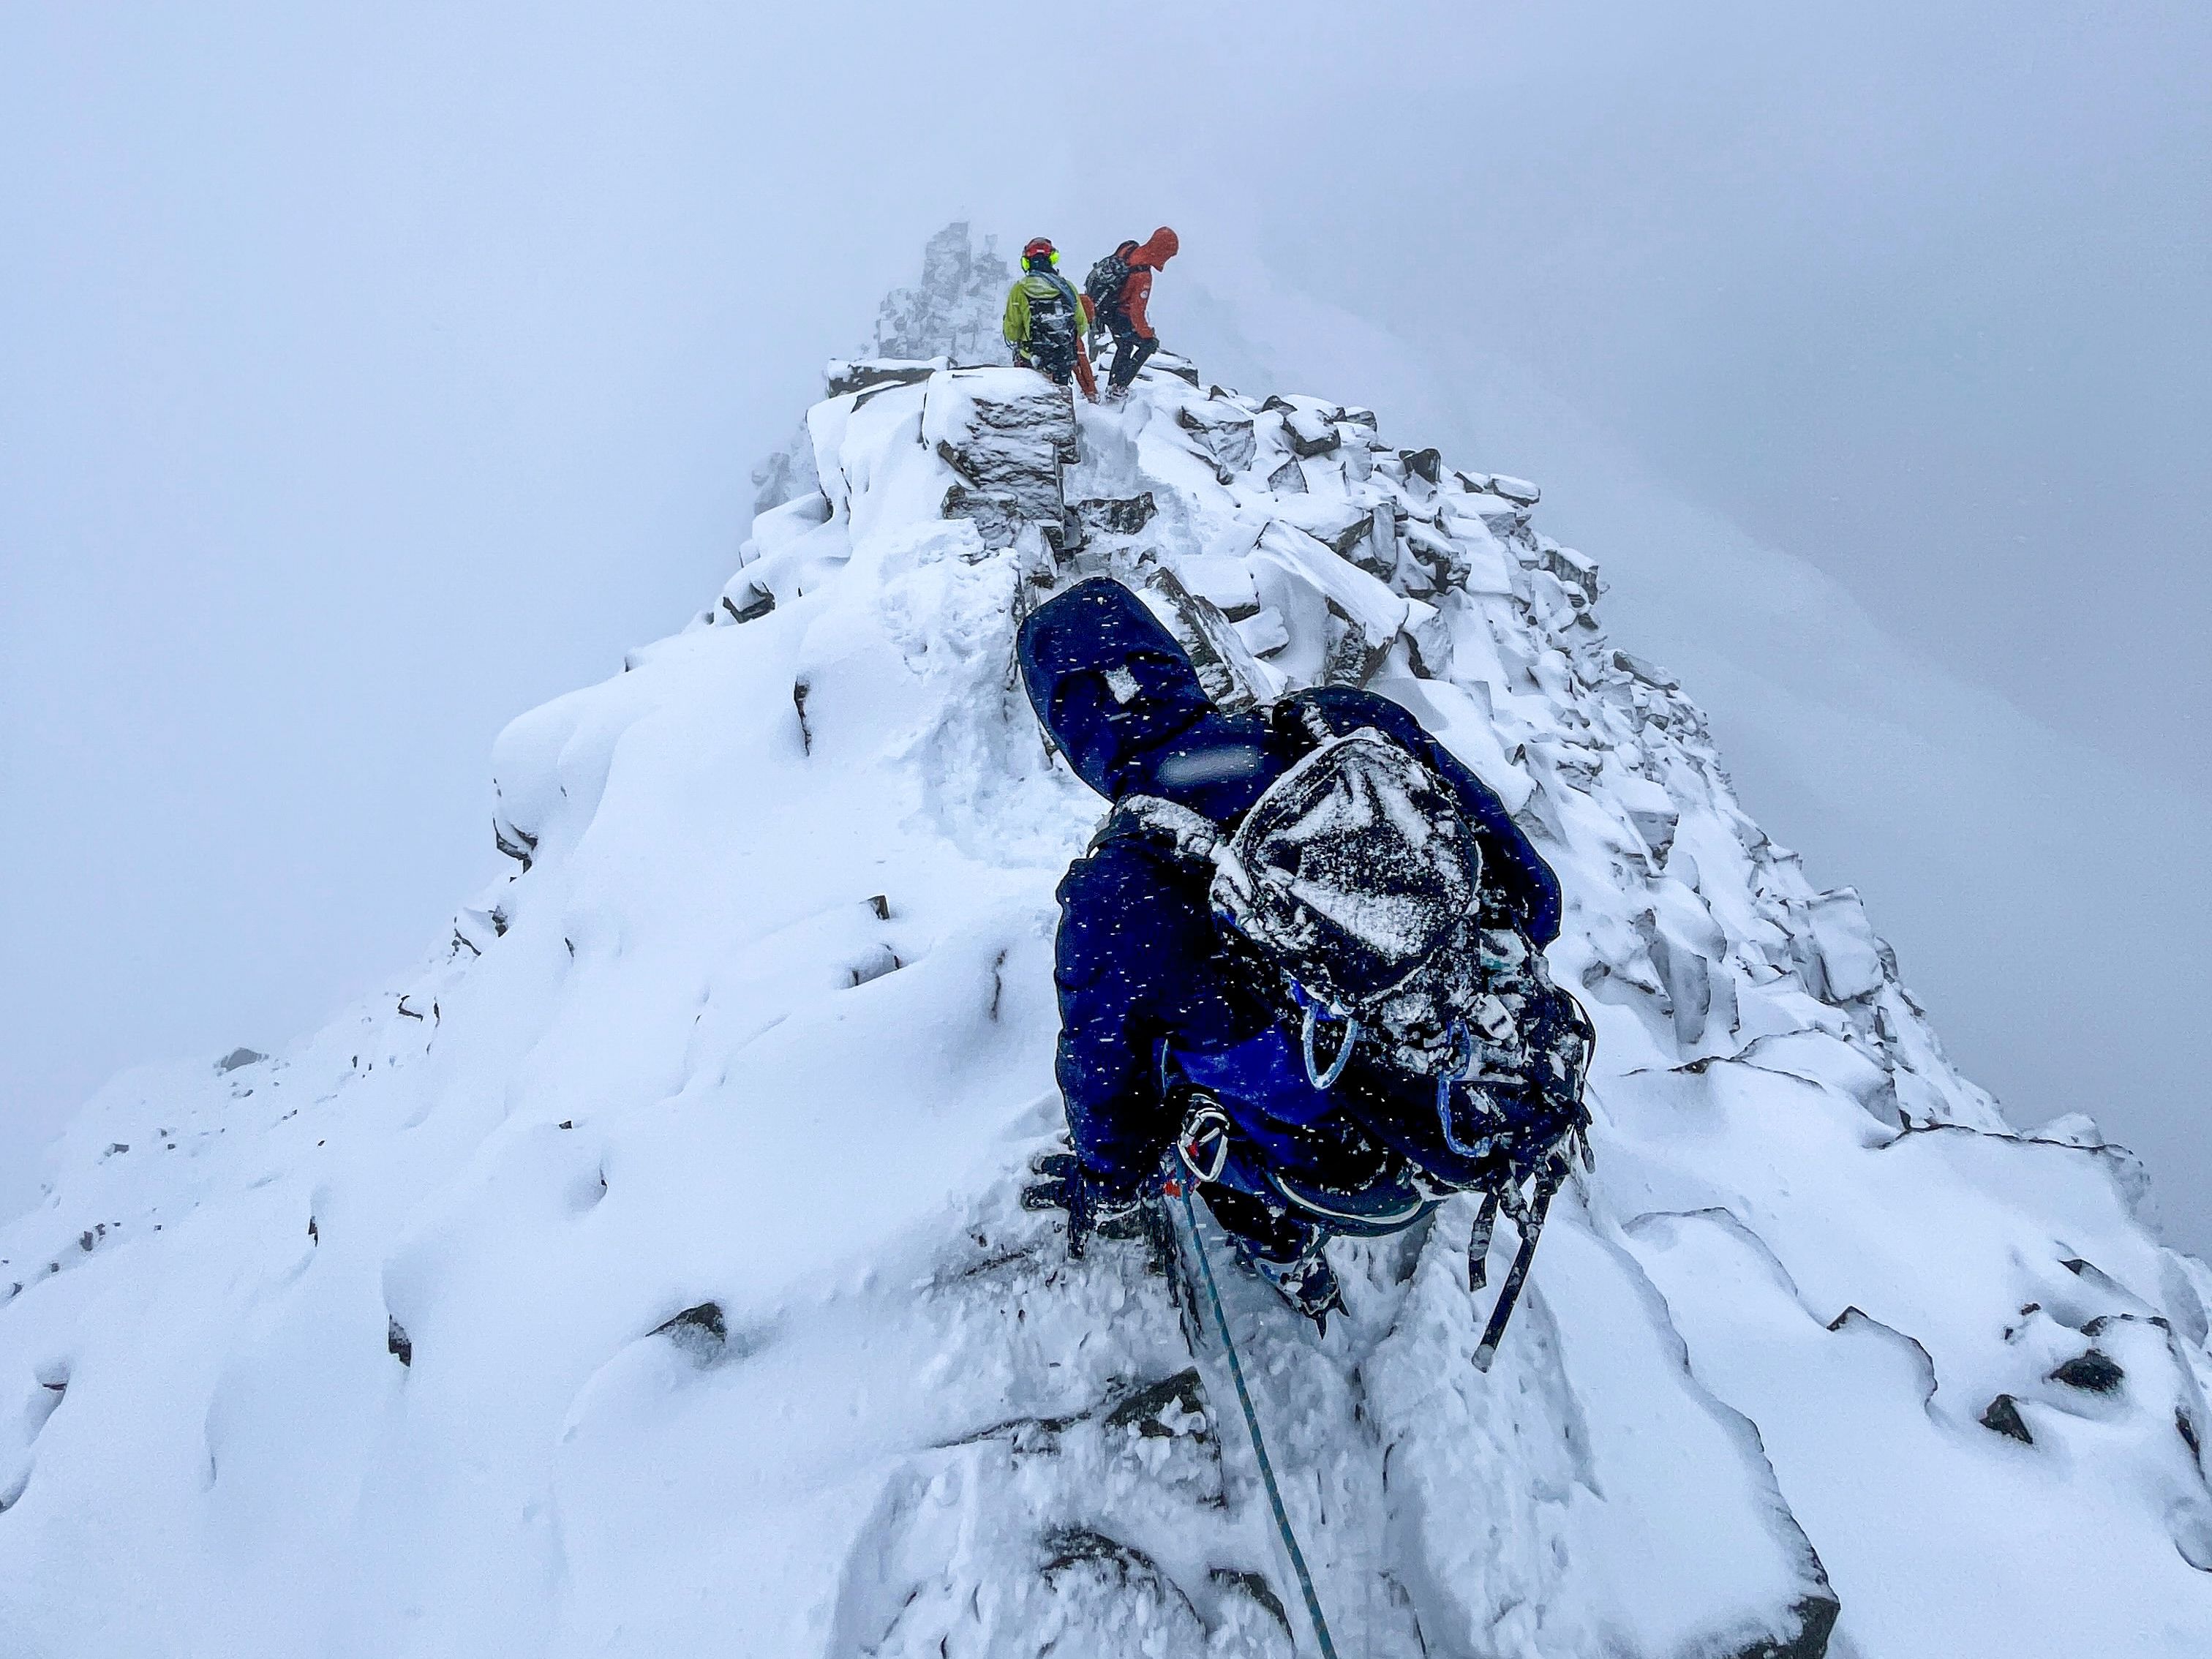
x,y
1356,881
1103,286
1054,322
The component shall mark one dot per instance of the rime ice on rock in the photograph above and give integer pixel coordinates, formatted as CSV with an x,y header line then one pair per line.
x,y
954,312
697,1209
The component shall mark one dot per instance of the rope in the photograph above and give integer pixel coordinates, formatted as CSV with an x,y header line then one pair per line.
x,y
1252,1426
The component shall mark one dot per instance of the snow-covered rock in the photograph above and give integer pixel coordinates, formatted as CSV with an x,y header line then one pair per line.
x,y
646,1274
954,312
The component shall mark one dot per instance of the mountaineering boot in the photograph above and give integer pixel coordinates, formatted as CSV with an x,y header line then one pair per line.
x,y
1090,1212
1308,1283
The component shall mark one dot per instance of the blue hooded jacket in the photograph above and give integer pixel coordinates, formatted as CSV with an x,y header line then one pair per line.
x,y
1147,985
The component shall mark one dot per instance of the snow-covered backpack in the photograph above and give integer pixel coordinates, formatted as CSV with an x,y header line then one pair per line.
x,y
1055,319
1357,880
1356,883
1107,279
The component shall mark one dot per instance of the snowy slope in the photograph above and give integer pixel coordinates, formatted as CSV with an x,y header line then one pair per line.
x,y
650,1277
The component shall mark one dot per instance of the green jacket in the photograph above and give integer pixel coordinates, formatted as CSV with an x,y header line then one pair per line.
x,y
1032,287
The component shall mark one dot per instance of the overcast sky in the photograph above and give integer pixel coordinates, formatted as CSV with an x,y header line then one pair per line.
x,y
368,375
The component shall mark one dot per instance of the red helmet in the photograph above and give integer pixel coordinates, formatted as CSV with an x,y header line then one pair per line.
x,y
1040,248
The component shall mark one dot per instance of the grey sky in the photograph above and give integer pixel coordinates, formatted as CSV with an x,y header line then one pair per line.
x,y
369,374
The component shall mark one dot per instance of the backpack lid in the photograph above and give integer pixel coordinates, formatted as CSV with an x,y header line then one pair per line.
x,y
1351,870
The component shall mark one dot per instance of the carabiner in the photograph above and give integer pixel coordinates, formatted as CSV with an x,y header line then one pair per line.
x,y
1314,1075
1462,1064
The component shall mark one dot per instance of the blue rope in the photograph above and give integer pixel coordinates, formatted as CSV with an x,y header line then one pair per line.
x,y
1259,1445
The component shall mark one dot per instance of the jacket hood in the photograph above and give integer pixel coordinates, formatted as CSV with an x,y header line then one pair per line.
x,y
1121,701
1156,251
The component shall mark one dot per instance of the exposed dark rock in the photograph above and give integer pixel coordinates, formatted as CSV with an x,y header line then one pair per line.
x,y
1206,638
1310,433
1067,1547
238,1057
1375,552
757,603
2095,1371
1425,464
1011,448
1638,668
1341,536
1226,438
993,513
1350,660
1145,1407
701,1332
1288,479
2158,1322
1124,516
1237,1582
517,844
871,372
398,1343
2004,1417
1816,1621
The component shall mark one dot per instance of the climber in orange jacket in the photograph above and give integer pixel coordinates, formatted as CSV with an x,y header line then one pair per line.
x,y
1119,288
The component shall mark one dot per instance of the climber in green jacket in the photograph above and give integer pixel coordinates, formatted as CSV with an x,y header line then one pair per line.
x,y
1047,318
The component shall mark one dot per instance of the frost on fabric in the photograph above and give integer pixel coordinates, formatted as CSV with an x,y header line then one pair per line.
x,y
766,1028
1354,864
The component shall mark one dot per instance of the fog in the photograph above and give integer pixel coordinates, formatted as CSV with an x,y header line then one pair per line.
x,y
368,375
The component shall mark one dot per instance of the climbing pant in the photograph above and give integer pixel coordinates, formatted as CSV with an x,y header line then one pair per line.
x,y
1250,1224
1130,351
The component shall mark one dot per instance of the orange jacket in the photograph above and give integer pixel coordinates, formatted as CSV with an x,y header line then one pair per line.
x,y
1148,257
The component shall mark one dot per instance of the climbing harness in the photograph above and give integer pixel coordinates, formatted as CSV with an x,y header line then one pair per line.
x,y
1252,1427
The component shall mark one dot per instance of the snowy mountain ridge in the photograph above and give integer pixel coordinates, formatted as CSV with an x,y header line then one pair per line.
x,y
651,1275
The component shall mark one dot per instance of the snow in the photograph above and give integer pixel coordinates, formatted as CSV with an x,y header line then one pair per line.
x,y
684,1174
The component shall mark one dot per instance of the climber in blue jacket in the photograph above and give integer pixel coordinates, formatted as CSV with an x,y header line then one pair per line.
x,y
1173,1034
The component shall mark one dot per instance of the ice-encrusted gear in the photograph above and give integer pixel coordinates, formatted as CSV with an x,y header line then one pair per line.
x,y
1353,871
1203,1145
1306,1282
